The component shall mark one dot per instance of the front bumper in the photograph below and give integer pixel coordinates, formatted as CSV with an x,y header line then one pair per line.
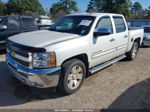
x,y
41,78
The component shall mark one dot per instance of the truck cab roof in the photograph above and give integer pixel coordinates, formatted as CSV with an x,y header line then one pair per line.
x,y
94,14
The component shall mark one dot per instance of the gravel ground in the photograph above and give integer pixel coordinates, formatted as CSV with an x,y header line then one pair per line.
x,y
124,85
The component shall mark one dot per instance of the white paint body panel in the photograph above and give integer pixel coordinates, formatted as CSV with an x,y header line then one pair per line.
x,y
98,50
134,34
41,38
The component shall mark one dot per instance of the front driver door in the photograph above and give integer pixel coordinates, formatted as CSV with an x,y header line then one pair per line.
x,y
103,47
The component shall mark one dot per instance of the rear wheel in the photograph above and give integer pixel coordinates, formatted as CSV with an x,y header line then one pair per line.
x,y
72,76
134,50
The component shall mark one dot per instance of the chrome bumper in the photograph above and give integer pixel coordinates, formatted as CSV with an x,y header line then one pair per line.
x,y
41,78
146,43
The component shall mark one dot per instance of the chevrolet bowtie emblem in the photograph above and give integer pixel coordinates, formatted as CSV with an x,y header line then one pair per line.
x,y
12,54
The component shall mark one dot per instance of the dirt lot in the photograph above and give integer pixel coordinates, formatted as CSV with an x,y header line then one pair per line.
x,y
122,85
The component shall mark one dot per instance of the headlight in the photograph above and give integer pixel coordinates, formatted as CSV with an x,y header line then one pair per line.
x,y
44,60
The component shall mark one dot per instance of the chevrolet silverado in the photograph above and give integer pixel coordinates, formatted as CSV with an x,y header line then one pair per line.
x,y
74,47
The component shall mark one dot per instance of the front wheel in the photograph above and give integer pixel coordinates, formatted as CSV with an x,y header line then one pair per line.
x,y
72,76
133,53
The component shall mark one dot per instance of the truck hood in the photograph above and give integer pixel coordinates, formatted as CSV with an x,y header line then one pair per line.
x,y
41,38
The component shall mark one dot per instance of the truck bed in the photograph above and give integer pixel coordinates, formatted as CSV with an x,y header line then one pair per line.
x,y
135,33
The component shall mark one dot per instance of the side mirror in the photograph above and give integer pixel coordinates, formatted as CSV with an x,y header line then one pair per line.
x,y
101,32
3,27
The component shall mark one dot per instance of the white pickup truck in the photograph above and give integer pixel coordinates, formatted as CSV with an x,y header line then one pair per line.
x,y
74,47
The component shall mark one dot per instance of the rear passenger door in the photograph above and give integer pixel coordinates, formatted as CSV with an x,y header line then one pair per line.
x,y
121,35
28,24
13,27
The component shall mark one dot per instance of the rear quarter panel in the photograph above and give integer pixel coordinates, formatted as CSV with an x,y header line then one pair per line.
x,y
133,35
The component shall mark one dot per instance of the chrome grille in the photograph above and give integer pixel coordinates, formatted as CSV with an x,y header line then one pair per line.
x,y
18,55
17,50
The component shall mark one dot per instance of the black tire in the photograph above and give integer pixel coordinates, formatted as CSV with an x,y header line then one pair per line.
x,y
133,52
63,85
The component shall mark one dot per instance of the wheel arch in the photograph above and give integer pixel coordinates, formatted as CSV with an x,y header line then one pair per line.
x,y
138,40
82,57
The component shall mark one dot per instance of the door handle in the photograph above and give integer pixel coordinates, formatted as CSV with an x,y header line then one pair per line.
x,y
112,40
126,36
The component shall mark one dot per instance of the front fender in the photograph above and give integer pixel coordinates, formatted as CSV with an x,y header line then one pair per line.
x,y
70,48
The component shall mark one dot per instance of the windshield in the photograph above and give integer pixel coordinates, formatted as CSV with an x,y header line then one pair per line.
x,y
147,29
73,24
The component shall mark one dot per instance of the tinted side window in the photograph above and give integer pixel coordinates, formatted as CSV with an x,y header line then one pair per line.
x,y
28,22
12,23
105,22
119,24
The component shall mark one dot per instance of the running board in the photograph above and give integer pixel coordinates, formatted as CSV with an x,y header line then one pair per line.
x,y
104,65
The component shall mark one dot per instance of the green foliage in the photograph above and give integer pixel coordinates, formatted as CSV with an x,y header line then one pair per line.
x,y
2,8
21,7
34,8
124,8
63,7
57,10
110,6
136,7
147,13
113,6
